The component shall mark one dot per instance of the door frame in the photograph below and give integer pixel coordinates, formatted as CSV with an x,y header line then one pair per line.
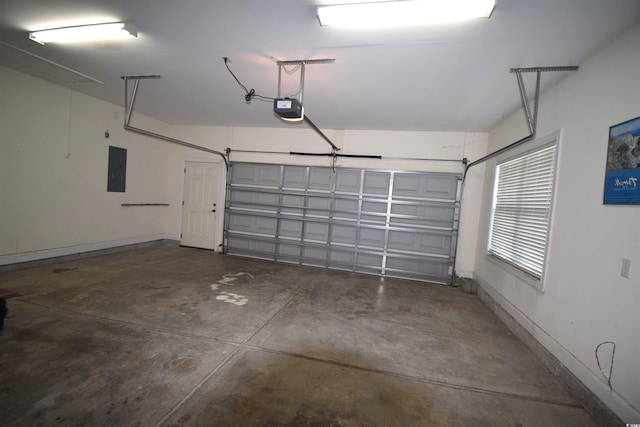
x,y
220,200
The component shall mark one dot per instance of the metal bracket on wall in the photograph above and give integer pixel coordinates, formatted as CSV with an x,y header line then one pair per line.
x,y
128,205
301,63
128,111
532,117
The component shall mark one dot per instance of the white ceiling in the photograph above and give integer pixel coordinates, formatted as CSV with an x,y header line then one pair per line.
x,y
443,78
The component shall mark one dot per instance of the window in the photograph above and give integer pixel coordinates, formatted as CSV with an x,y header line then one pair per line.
x,y
521,208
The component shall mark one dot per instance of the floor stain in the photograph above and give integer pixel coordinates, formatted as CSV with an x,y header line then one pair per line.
x,y
227,280
181,421
181,364
231,277
64,269
232,298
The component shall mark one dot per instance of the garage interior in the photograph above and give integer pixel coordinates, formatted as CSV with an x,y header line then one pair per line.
x,y
239,216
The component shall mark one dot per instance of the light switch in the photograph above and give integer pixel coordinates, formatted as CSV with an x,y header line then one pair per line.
x,y
626,268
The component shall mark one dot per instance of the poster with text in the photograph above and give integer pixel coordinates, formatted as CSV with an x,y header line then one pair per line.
x,y
622,178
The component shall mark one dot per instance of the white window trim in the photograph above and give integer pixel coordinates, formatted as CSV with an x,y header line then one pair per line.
x,y
537,144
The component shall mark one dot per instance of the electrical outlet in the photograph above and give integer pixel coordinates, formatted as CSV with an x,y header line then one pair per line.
x,y
626,268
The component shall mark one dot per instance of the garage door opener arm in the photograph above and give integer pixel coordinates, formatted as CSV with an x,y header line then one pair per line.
x,y
128,111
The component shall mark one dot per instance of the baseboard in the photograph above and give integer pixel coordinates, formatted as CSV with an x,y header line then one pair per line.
x,y
605,406
68,253
464,273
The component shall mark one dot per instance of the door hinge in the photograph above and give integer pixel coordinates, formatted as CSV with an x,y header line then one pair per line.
x,y
185,170
181,235
183,203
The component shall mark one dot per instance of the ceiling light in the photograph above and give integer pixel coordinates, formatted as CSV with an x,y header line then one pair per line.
x,y
403,13
83,33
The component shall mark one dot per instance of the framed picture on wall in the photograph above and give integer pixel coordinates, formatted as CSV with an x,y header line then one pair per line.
x,y
622,178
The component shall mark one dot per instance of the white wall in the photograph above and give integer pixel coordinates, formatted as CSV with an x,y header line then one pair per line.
x,y
53,173
54,155
584,301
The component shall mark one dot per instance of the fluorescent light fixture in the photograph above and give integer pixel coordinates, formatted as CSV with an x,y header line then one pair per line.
x,y
403,13
83,33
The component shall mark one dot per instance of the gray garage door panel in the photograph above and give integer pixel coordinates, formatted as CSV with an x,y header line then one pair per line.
x,y
425,187
392,223
432,243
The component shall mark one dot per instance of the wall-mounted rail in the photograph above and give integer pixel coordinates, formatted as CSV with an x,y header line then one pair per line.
x,y
127,205
128,106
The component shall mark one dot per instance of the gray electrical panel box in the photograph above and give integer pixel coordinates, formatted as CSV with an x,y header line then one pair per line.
x,y
117,170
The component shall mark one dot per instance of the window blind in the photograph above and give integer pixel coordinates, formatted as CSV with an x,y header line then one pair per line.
x,y
521,208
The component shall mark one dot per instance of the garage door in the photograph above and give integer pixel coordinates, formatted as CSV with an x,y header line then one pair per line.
x,y
389,223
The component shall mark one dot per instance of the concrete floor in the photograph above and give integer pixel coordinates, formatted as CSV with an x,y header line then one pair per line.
x,y
184,337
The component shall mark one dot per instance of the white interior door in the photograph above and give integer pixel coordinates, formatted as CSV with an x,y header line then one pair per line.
x,y
199,205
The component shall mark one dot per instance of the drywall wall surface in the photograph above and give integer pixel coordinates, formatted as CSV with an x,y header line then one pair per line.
x,y
410,151
209,137
53,171
402,150
471,206
54,158
584,301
